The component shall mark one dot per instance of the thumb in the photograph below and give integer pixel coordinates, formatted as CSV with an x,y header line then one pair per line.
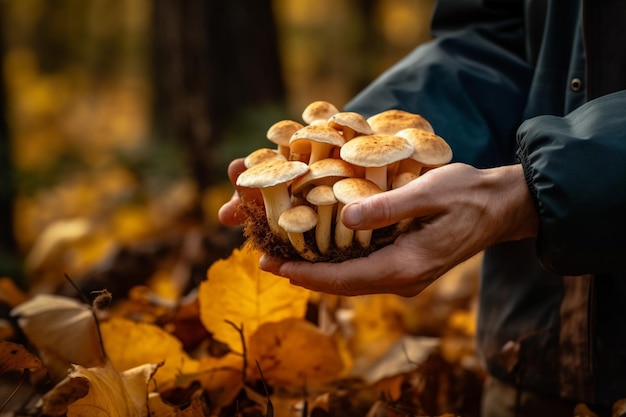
x,y
377,211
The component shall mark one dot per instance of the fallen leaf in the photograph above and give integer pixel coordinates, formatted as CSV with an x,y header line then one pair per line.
x,y
10,294
110,393
63,330
293,351
129,344
158,408
237,290
14,357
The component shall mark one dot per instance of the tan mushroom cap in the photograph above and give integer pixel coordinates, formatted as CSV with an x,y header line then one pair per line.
x,y
318,140
295,222
348,190
280,133
298,219
318,110
391,121
260,155
271,172
272,178
429,149
351,124
326,171
375,150
322,195
376,153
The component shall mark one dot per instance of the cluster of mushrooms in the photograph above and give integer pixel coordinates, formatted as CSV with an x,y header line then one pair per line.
x,y
318,167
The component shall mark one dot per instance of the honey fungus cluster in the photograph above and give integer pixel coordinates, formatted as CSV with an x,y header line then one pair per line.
x,y
329,160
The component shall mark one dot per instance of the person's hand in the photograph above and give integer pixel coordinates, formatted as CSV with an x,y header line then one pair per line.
x,y
229,214
458,211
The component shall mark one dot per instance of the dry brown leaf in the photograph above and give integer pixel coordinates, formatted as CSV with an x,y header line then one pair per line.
x,y
10,294
129,344
110,393
158,408
293,352
14,357
239,291
63,330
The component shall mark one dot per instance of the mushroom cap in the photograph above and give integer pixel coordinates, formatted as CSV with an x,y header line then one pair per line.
x,y
375,150
348,190
317,110
271,172
391,121
403,179
429,149
281,131
353,120
301,139
298,219
260,155
322,195
323,172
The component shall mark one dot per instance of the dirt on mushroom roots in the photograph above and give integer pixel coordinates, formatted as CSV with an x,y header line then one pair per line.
x,y
257,232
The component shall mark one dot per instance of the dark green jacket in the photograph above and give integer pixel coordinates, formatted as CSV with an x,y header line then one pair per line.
x,y
541,83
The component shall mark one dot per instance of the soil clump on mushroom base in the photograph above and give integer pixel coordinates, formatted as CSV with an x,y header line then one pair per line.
x,y
257,232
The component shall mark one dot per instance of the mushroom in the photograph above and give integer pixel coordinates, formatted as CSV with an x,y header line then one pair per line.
x,y
347,191
260,155
318,140
326,171
324,199
272,177
375,153
429,150
280,133
391,121
350,124
295,221
318,110
401,180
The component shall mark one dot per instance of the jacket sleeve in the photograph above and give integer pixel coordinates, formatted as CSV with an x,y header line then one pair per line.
x,y
470,82
575,167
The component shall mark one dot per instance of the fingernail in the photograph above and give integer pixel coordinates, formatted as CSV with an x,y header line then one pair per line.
x,y
351,215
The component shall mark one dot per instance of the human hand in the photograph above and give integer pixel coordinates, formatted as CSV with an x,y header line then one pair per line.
x,y
229,214
459,211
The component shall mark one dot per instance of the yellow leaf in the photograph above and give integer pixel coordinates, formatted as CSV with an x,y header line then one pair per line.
x,y
129,344
294,352
239,291
109,393
63,330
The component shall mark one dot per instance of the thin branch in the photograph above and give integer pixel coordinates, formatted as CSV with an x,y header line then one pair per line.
x,y
244,354
17,388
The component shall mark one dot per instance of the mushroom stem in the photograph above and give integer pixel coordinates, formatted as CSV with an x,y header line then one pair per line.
x,y
299,244
364,237
343,234
323,228
277,200
377,175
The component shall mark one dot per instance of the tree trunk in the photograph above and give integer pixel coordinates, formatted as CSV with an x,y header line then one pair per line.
x,y
213,59
10,262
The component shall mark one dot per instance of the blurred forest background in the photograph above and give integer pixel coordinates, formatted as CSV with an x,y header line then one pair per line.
x,y
119,118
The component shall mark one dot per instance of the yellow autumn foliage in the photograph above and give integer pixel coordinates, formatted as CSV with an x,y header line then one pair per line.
x,y
238,291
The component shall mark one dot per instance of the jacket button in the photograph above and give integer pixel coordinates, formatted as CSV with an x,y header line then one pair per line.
x,y
575,84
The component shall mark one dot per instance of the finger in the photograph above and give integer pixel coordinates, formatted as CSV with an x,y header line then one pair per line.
x,y
353,277
228,214
385,209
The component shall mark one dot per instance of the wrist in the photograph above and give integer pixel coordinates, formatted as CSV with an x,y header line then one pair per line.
x,y
518,212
